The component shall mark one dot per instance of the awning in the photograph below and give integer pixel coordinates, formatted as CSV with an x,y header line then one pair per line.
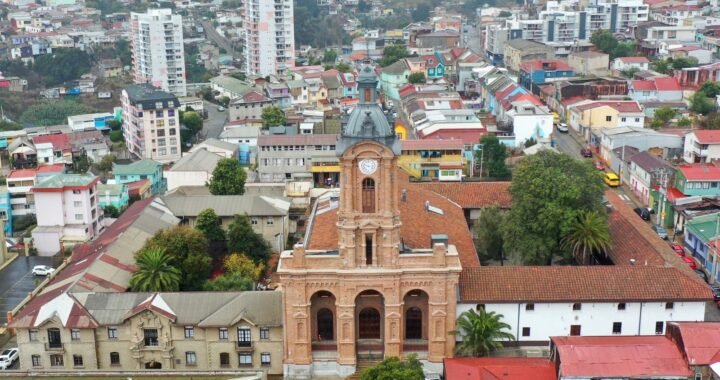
x,y
325,169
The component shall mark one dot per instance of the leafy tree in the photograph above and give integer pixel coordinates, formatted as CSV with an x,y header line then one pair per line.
x,y
343,67
656,124
664,114
710,89
364,6
604,40
684,122
192,121
329,56
492,155
681,63
393,368
623,49
700,103
273,116
661,66
116,136
187,248
63,65
111,211
225,101
106,163
242,238
549,191
81,163
481,331
421,12
416,78
392,54
589,234
711,121
209,224
630,73
114,125
241,265
229,283
155,273
53,113
228,178
504,14
488,229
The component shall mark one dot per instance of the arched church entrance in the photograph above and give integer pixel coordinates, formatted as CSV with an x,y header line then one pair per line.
x,y
415,322
369,311
322,309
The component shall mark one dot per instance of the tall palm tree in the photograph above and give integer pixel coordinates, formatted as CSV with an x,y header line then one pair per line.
x,y
481,331
155,272
589,234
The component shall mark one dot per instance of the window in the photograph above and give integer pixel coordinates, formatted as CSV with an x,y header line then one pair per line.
x,y
269,220
74,334
621,306
173,150
265,358
529,307
112,332
171,122
617,328
244,337
575,330
162,151
659,327
223,333
77,203
171,112
245,358
480,307
160,133
624,119
76,192
35,360
577,306
33,335
224,360
264,333
525,331
190,358
669,305
637,119
608,118
159,113
160,123
114,358
78,217
368,195
151,337
189,332
56,360
172,132
77,360
253,221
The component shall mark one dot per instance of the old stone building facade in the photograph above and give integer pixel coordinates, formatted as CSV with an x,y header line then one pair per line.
x,y
377,273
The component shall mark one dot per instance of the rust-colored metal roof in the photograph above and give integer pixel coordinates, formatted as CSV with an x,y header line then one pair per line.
x,y
700,341
499,369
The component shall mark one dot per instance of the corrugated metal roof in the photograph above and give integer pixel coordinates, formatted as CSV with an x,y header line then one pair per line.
x,y
199,160
226,205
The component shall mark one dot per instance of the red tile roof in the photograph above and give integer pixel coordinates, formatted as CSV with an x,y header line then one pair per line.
x,y
695,8
602,283
454,144
472,194
501,94
499,369
468,136
54,168
700,172
620,357
620,106
643,85
545,65
59,141
707,136
22,173
699,340
634,59
667,84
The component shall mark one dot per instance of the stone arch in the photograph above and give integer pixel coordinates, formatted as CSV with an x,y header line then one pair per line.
x,y
416,314
369,314
323,316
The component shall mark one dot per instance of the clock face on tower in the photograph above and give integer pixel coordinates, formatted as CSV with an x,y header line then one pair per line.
x,y
368,166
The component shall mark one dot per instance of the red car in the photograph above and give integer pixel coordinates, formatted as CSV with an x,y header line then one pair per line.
x,y
678,249
586,152
599,165
690,262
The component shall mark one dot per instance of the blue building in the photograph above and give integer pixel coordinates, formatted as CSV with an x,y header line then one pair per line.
x,y
113,195
139,170
534,74
6,211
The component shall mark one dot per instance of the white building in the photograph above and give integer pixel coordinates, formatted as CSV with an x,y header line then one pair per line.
x,y
90,121
542,302
269,37
625,63
68,212
151,123
530,122
157,49
241,135
221,148
702,146
193,169
20,182
645,169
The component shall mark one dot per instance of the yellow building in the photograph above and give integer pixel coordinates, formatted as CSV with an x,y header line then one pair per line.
x,y
433,159
588,118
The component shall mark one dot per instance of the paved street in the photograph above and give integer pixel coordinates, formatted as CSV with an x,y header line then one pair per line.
x,y
565,143
213,126
16,281
219,40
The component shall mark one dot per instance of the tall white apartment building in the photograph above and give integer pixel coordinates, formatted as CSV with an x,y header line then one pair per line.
x,y
151,123
269,36
157,50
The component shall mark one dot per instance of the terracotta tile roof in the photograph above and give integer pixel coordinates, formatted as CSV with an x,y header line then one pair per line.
x,y
59,141
468,136
499,369
22,173
707,136
633,59
700,341
454,144
667,84
418,224
472,194
643,85
606,283
700,172
621,106
545,65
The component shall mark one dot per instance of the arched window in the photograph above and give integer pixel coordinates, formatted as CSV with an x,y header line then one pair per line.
x,y
224,359
413,323
368,95
369,324
368,196
325,324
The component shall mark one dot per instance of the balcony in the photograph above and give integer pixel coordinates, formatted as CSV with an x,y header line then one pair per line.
x,y
55,347
244,346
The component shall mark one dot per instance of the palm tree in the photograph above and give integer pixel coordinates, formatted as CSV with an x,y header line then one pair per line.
x,y
589,234
481,332
155,272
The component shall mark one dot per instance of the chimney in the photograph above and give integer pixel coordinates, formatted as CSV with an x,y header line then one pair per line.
x,y
439,239
427,205
403,197
632,261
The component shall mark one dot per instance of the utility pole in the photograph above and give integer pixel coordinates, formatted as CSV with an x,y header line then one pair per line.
x,y
663,192
482,154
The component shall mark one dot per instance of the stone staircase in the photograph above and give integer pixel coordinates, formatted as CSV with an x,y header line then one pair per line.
x,y
362,364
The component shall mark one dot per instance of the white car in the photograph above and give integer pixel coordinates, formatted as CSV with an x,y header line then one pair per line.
x,y
221,109
8,357
562,128
42,270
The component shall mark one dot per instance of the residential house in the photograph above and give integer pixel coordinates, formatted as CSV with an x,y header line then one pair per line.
x,y
433,159
394,77
279,93
23,153
349,85
666,145
141,170
219,147
268,215
535,73
241,135
698,344
115,195
702,146
295,157
333,84
696,76
499,368
110,68
20,182
6,211
67,212
229,86
193,169
646,172
53,148
626,63
702,240
98,121
518,51
530,119
658,89
249,106
13,84
589,118
703,56
298,91
589,63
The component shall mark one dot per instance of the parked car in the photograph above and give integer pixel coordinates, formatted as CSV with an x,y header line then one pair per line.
x,y
599,165
562,128
586,152
690,261
42,270
8,357
643,212
221,109
678,249
611,180
716,292
660,231
701,273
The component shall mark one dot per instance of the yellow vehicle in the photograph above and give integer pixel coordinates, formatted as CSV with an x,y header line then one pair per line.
x,y
556,118
611,180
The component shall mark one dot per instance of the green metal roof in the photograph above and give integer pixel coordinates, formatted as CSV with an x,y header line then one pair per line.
x,y
112,190
705,227
61,180
138,167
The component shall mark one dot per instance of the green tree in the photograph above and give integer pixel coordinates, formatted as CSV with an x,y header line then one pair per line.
x,y
700,103
273,116
664,114
329,56
549,191
416,78
229,283
192,121
623,49
187,248
156,272
209,224
710,89
589,234
242,238
504,14
604,40
482,333
630,73
240,264
684,122
392,54
63,65
492,154
228,178
111,211
393,368
225,101
343,67
488,229
114,125
106,163
421,12
682,63
53,113
661,66
711,121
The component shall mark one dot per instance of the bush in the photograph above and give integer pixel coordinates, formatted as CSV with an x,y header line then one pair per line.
x,y
116,136
22,222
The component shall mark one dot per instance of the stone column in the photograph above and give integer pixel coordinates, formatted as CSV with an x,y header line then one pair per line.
x,y
346,333
393,329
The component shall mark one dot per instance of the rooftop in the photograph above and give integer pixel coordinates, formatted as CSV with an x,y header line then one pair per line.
x,y
183,205
649,162
148,96
231,84
700,172
453,144
499,369
620,106
471,194
297,140
142,167
700,341
66,182
111,189
707,136
199,160
633,59
546,65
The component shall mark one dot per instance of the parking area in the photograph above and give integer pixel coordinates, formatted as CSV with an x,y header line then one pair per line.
x,y
16,281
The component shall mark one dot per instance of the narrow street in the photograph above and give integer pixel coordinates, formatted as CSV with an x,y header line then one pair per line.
x,y
213,125
219,40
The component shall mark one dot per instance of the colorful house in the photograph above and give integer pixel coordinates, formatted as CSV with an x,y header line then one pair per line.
x,y
6,211
701,238
113,195
433,159
140,170
537,72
